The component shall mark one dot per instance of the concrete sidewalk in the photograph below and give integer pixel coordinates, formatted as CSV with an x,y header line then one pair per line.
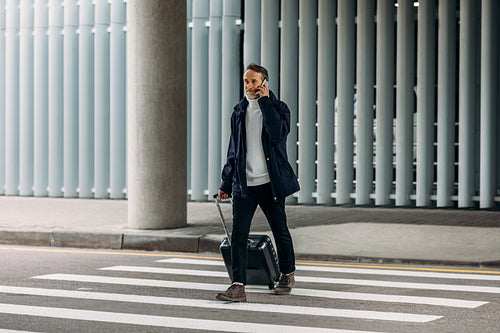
x,y
382,235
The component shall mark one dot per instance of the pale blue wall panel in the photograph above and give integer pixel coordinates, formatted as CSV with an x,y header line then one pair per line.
x,y
86,99
12,98
70,100
307,99
41,98
26,99
199,100
118,79
214,96
56,99
102,99
2,96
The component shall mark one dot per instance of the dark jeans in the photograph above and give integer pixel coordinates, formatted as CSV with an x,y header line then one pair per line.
x,y
243,211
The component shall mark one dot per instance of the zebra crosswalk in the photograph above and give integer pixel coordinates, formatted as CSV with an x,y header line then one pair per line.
x,y
323,300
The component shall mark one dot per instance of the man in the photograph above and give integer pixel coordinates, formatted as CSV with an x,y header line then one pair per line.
x,y
257,173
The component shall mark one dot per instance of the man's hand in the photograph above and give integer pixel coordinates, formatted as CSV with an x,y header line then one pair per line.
x,y
223,195
262,91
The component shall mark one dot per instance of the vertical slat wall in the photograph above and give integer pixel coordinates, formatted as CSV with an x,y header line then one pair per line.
x,y
118,115
426,69
392,102
289,59
308,11
26,98
41,98
365,77
2,95
70,100
214,96
56,98
468,97
270,45
345,98
326,99
102,99
378,116
385,79
199,99
56,139
446,107
490,109
405,101
12,98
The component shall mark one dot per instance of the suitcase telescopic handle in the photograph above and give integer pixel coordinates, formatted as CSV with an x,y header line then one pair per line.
x,y
216,198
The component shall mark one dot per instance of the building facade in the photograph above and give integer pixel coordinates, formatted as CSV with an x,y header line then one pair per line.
x,y
394,103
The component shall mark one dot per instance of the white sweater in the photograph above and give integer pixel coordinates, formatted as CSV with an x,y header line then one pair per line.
x,y
256,167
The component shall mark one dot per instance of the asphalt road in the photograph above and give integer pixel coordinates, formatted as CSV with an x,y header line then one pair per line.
x,y
76,290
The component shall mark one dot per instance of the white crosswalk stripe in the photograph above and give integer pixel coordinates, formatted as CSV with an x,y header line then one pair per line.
x,y
158,321
350,270
255,289
173,277
256,307
313,279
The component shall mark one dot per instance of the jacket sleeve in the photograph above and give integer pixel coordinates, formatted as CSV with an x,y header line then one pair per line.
x,y
276,119
228,169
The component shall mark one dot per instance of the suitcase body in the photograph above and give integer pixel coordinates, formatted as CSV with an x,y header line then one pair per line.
x,y
262,261
262,266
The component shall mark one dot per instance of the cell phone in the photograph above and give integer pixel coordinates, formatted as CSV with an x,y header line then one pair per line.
x,y
264,83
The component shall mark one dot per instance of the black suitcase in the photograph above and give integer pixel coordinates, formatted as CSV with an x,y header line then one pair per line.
x,y
262,262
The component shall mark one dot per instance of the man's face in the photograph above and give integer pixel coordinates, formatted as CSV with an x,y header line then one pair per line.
x,y
252,81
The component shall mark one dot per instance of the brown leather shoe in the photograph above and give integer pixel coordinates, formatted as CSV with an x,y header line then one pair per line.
x,y
235,293
285,285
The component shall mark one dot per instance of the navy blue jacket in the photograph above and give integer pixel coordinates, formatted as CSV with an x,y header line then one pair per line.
x,y
276,126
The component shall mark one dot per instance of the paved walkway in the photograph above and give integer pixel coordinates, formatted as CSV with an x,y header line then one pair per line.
x,y
390,235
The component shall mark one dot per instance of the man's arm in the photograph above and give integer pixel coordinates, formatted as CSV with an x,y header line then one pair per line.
x,y
276,119
228,169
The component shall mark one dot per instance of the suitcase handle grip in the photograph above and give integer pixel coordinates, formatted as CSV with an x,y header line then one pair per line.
x,y
216,196
216,199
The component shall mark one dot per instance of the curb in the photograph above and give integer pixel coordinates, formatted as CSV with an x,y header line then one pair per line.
x,y
150,241
128,240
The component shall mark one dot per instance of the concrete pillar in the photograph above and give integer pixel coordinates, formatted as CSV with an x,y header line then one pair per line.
x,y
365,73
251,40
326,99
345,95
289,75
405,101
86,100
156,117
214,96
70,100
307,99
426,69
41,98
489,108
446,102
26,99
467,102
12,98
117,94
270,42
385,102
199,101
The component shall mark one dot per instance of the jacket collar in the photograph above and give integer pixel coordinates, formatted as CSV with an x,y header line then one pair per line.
x,y
242,105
